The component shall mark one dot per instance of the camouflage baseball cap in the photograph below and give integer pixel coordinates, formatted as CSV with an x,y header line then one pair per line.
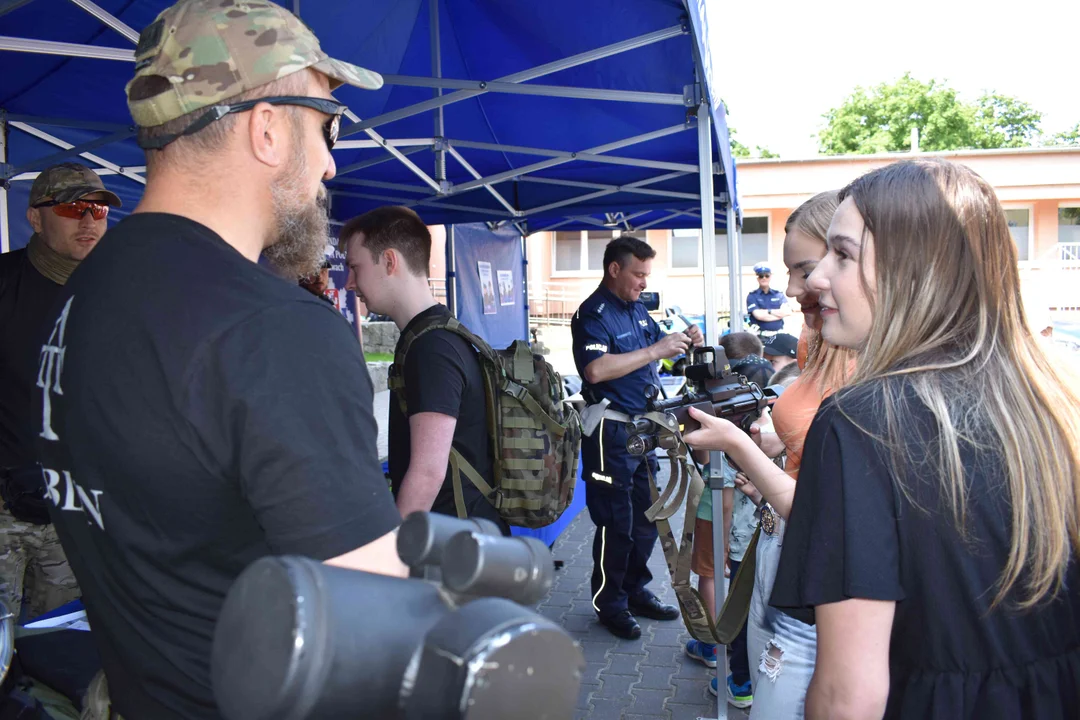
x,y
200,52
66,183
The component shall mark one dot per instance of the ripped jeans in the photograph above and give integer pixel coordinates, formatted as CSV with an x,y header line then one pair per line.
x,y
781,649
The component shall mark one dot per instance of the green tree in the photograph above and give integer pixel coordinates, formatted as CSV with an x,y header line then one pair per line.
x,y
1005,122
741,151
1070,137
880,119
737,148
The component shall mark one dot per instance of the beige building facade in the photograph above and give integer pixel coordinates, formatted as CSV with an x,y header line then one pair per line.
x,y
1039,188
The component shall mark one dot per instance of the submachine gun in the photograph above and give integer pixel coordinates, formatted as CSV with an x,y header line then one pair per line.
x,y
715,390
732,398
297,639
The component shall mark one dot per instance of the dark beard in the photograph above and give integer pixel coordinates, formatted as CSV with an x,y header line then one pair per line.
x,y
302,231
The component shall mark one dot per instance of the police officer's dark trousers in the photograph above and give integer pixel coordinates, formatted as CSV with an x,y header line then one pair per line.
x,y
617,494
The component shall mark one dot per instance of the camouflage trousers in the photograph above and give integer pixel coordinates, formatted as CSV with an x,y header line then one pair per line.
x,y
34,573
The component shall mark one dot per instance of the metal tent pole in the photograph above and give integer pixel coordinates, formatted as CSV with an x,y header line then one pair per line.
x,y
525,279
734,254
436,72
708,219
5,239
715,485
451,272
708,263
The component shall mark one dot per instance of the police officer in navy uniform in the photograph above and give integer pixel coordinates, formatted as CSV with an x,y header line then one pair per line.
x,y
616,349
767,307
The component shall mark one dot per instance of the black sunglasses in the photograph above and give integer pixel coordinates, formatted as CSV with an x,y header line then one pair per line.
x,y
329,107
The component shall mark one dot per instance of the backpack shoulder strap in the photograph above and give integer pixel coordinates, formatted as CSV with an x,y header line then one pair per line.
x,y
396,375
458,328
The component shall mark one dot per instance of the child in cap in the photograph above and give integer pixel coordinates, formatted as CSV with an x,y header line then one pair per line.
x,y
781,350
743,352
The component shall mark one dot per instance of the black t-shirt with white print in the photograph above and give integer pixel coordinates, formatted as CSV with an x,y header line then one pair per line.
x,y
199,413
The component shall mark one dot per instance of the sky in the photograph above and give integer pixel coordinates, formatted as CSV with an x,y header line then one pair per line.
x,y
788,63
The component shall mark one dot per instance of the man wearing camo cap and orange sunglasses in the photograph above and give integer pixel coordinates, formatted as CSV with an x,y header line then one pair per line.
x,y
68,207
199,412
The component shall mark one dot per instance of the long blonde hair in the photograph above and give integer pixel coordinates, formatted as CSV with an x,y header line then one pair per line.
x,y
828,366
949,323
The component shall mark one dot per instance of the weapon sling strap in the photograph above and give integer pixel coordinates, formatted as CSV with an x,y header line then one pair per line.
x,y
689,483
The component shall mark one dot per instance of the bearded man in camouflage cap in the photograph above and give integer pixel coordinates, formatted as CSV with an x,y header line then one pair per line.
x,y
67,211
199,412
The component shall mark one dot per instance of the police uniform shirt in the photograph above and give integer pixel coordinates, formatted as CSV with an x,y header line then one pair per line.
x,y
605,324
769,302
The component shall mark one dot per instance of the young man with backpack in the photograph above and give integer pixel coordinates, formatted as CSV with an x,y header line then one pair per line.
x,y
441,405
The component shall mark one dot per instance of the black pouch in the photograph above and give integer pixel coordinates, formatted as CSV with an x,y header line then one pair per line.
x,y
23,491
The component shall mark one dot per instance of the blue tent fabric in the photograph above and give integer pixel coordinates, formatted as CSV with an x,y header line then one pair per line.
x,y
81,100
479,40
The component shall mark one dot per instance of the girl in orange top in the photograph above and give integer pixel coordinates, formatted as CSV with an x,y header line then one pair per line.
x,y
781,649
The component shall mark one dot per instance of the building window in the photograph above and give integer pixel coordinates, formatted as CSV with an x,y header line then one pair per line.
x,y
577,251
753,241
597,241
685,248
567,251
1019,220
1069,225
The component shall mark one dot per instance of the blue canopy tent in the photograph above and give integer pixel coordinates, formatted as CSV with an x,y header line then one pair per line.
x,y
568,114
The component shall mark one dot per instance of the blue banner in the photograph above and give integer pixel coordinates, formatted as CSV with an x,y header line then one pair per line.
x,y
488,286
344,300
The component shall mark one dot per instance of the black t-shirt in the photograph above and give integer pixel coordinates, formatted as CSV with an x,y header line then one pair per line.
x,y
210,414
854,534
442,375
26,308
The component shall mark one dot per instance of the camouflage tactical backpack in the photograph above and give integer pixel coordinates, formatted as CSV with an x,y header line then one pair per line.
x,y
535,435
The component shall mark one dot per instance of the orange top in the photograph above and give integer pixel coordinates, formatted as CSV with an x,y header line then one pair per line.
x,y
795,410
792,414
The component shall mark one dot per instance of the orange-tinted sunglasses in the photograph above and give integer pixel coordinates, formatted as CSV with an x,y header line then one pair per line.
x,y
77,209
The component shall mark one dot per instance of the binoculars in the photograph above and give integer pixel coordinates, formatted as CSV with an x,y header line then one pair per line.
x,y
297,639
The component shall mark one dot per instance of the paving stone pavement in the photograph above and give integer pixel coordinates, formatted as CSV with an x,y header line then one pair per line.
x,y
650,677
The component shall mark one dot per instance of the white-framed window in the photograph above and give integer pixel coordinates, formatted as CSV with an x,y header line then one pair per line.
x,y
685,245
581,252
1069,223
1019,218
567,251
685,249
753,241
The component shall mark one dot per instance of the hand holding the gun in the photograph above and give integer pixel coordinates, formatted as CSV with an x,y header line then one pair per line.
x,y
697,339
672,345
716,434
